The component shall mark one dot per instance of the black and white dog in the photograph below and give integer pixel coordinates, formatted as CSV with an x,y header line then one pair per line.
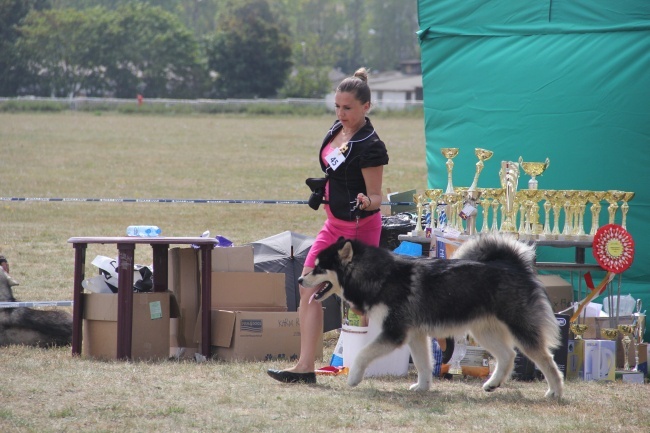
x,y
489,289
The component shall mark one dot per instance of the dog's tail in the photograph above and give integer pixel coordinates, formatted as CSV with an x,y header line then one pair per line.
x,y
497,247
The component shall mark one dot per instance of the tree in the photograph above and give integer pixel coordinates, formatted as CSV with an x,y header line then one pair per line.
x,y
250,53
154,54
12,65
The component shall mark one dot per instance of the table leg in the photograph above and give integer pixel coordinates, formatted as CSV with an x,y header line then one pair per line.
x,y
206,299
77,290
160,267
124,299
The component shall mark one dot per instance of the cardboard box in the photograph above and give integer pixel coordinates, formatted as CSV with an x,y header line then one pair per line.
x,y
560,291
150,334
184,282
591,360
257,336
233,259
248,290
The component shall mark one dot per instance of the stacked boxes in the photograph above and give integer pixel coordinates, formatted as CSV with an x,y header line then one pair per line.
x,y
249,313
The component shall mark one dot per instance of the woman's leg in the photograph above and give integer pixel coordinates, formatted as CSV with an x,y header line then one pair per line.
x,y
311,329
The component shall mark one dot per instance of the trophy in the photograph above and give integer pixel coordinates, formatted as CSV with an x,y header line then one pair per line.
x,y
460,349
628,330
568,212
556,199
546,231
482,155
433,195
578,329
509,175
419,203
485,203
581,199
640,322
469,209
629,195
595,197
609,333
497,196
449,153
533,169
613,196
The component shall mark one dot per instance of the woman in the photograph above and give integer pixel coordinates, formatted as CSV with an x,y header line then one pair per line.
x,y
352,157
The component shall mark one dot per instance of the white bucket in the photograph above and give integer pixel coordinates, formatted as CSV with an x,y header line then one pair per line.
x,y
354,338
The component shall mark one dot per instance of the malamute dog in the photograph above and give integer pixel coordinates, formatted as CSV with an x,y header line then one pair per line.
x,y
488,289
28,326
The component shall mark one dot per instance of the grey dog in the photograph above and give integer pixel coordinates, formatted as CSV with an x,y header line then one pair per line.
x,y
489,289
30,326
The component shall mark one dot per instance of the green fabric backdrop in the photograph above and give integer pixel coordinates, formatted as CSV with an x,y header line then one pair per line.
x,y
568,80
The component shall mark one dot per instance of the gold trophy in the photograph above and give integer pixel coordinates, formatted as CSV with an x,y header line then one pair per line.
x,y
595,197
485,203
578,329
629,195
509,175
581,199
569,208
613,197
609,333
554,197
533,169
449,153
546,231
419,203
627,330
497,198
482,155
433,195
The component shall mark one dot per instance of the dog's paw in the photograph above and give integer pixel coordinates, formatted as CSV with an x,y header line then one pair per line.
x,y
354,378
553,394
418,387
488,387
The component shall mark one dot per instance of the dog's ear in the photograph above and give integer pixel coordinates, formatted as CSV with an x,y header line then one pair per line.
x,y
346,252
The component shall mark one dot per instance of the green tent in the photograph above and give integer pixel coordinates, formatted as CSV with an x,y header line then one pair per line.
x,y
565,80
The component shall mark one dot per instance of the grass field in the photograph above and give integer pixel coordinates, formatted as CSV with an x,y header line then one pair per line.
x,y
84,155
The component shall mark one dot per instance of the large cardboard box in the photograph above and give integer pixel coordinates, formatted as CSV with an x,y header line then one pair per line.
x,y
257,336
150,335
591,360
560,291
233,259
248,290
184,281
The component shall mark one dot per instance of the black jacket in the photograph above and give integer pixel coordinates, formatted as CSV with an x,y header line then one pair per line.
x,y
365,149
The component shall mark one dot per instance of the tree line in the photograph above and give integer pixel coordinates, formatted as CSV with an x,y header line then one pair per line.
x,y
197,48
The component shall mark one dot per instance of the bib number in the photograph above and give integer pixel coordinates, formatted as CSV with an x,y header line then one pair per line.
x,y
335,158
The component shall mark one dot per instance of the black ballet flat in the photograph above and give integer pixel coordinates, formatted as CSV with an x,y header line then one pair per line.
x,y
291,377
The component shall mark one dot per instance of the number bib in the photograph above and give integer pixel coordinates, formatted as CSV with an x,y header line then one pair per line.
x,y
335,158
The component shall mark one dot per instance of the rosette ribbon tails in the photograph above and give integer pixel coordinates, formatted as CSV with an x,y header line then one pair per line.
x,y
613,249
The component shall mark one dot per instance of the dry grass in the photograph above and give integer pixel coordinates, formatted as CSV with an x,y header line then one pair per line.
x,y
83,155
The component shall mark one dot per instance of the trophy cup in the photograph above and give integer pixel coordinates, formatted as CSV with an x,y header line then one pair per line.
x,y
556,199
581,199
568,213
433,195
485,204
595,197
627,330
613,197
546,232
578,329
509,175
482,155
469,210
629,195
640,322
609,333
449,153
460,349
533,169
419,203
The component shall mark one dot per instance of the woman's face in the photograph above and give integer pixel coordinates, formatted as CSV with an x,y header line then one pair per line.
x,y
349,110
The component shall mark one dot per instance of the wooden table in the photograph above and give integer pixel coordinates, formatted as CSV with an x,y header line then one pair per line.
x,y
125,262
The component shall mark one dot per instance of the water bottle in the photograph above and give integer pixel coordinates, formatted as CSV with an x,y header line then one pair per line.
x,y
143,231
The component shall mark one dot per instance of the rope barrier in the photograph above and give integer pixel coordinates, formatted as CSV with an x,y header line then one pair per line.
x,y
36,304
173,200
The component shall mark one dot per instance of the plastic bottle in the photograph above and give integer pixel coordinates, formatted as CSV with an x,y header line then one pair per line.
x,y
143,231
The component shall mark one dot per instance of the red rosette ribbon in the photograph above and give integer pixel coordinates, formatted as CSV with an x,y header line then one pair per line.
x,y
613,249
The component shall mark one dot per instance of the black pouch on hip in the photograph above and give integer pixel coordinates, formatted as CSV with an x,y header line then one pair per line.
x,y
317,186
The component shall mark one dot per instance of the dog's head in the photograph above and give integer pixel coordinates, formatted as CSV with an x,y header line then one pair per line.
x,y
328,270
